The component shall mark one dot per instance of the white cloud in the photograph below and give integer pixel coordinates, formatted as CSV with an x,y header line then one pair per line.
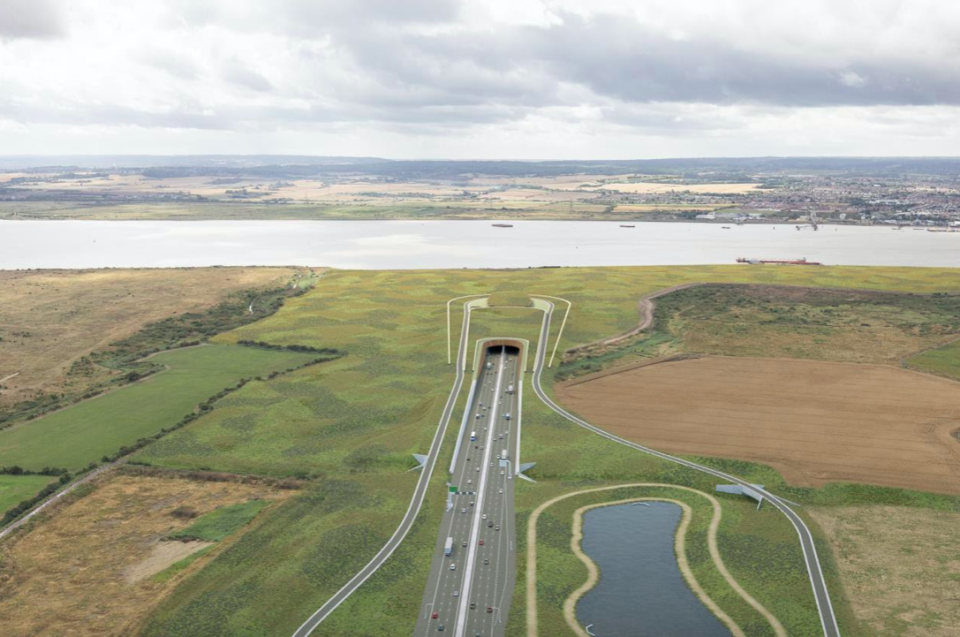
x,y
499,78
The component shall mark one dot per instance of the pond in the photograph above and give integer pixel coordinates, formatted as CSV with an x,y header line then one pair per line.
x,y
641,592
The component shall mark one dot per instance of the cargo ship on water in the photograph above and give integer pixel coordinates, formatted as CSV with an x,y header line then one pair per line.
x,y
802,261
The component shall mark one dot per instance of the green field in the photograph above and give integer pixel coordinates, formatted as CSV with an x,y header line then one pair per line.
x,y
79,435
352,424
944,360
15,489
219,523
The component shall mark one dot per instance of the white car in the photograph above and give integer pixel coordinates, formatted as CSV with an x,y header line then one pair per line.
x,y
484,516
456,593
501,490
453,567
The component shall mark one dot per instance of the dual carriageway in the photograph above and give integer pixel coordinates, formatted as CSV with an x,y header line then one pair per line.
x,y
474,566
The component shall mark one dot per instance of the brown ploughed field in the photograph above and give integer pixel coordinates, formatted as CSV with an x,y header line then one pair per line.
x,y
814,421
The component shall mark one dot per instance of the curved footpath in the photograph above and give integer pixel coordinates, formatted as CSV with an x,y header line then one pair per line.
x,y
828,620
415,503
680,547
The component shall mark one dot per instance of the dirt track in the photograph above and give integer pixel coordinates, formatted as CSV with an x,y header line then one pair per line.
x,y
816,422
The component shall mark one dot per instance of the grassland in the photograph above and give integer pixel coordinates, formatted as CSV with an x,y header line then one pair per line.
x,y
85,569
943,360
350,425
15,489
75,437
219,523
900,565
837,325
50,319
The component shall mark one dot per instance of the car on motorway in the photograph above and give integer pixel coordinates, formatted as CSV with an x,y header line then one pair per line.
x,y
471,504
456,593
496,528
480,542
478,468
501,470
489,609
464,545
484,516
486,561
507,415
435,615
440,628
490,524
501,490
453,567
473,606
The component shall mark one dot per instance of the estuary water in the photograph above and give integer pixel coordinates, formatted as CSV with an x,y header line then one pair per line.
x,y
641,592
453,244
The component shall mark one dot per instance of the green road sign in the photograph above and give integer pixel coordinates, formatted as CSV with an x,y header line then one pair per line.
x,y
453,489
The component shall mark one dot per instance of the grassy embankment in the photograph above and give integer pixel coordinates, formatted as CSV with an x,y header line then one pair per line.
x,y
815,324
353,423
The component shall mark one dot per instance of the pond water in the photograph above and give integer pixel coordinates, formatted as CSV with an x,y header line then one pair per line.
x,y
641,592
453,244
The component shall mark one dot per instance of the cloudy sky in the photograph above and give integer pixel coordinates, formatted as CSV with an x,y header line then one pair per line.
x,y
490,79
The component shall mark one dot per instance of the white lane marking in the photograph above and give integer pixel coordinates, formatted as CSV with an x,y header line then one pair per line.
x,y
475,531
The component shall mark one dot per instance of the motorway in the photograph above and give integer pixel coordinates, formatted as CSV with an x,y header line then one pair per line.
x,y
828,620
472,598
415,503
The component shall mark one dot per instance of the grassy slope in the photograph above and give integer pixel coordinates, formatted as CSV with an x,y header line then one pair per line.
x,y
15,489
74,437
944,360
50,318
353,423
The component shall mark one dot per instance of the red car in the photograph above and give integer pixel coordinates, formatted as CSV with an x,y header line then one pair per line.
x,y
481,542
435,615
489,609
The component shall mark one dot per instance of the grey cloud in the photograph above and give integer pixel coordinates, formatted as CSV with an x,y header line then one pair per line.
x,y
238,73
30,19
619,58
174,63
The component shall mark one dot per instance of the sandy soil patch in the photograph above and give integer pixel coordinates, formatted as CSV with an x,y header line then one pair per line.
x,y
73,574
814,421
900,567
162,555
50,318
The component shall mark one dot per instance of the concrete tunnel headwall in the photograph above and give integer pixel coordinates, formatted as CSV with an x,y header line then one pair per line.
x,y
484,347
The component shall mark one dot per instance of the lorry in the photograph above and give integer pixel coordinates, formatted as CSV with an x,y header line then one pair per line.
x,y
504,454
448,547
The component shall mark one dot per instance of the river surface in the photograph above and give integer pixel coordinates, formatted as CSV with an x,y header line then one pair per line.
x,y
453,244
641,592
